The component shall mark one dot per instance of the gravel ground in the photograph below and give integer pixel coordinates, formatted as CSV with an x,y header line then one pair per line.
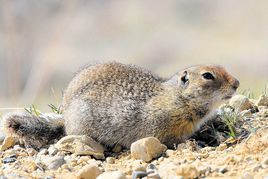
x,y
211,153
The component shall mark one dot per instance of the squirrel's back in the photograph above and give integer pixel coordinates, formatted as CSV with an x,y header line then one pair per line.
x,y
110,80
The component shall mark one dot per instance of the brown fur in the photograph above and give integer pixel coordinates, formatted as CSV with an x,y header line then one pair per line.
x,y
118,104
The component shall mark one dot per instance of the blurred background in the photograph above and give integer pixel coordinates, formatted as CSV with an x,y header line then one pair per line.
x,y
43,43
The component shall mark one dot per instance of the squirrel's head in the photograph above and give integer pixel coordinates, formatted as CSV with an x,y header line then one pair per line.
x,y
208,82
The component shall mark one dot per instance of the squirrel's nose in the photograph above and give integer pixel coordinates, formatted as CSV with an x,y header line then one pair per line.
x,y
236,84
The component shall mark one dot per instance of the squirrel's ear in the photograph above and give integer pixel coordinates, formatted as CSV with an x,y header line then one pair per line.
x,y
179,79
174,80
184,79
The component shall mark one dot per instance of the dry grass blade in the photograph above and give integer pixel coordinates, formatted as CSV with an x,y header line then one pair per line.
x,y
32,110
55,109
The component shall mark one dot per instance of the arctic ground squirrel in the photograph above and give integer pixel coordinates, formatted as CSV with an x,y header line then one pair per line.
x,y
114,103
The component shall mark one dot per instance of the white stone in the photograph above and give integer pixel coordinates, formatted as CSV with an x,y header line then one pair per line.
x,y
240,102
110,160
43,152
52,150
112,175
169,153
147,149
90,171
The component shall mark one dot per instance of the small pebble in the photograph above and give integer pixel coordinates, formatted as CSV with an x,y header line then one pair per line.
x,y
170,152
81,145
52,150
98,162
110,160
112,175
43,152
247,176
151,168
90,171
118,148
153,176
256,168
222,147
49,177
223,170
83,159
139,168
139,174
17,147
31,151
10,159
147,149
264,163
67,158
64,166
161,159
8,142
187,171
56,162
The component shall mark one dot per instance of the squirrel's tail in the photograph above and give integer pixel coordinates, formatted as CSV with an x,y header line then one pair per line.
x,y
34,131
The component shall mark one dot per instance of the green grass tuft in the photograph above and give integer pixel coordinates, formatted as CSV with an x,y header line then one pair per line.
x,y
32,110
55,109
230,116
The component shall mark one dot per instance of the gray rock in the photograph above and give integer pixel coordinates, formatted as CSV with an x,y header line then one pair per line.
x,y
10,159
80,145
139,174
240,102
53,163
262,101
223,170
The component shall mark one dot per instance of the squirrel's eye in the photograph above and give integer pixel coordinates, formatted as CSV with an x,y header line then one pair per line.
x,y
208,76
